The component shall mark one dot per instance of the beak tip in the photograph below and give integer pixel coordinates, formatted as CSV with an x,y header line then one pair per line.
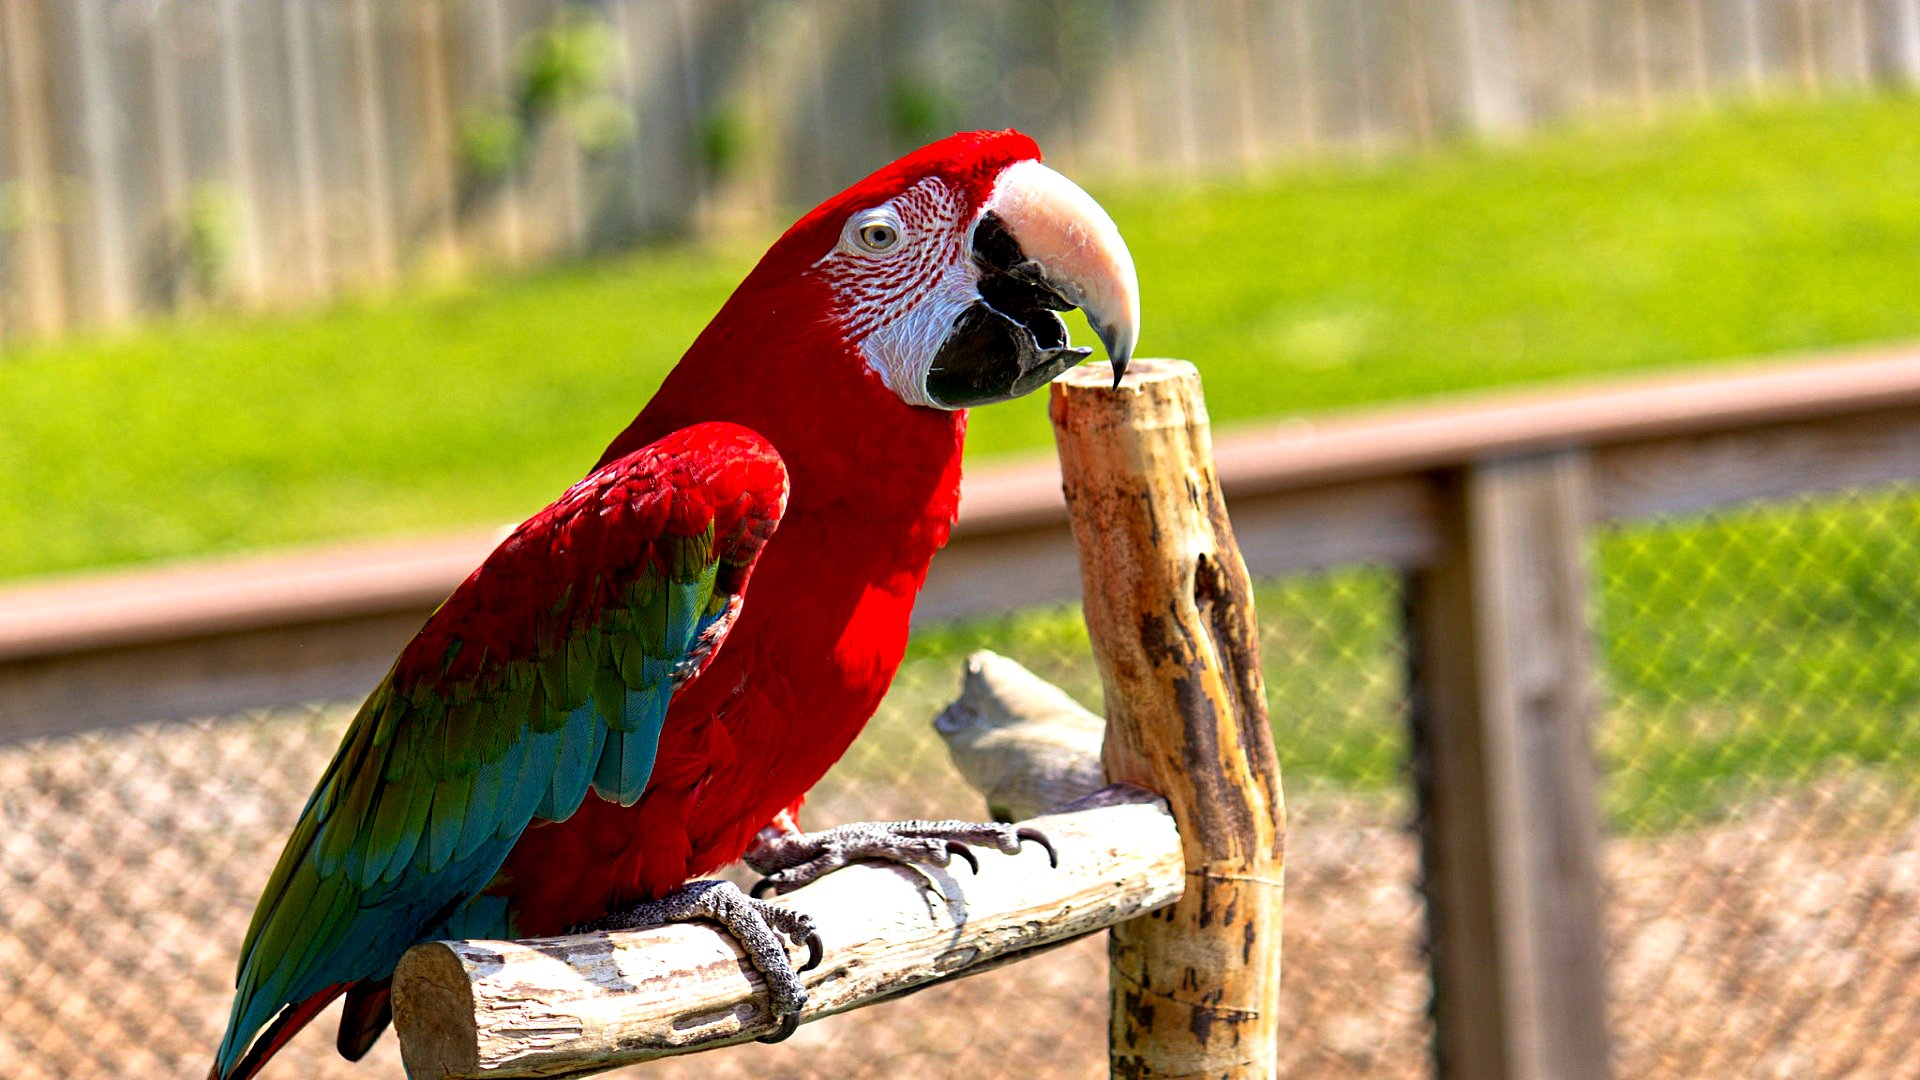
x,y
1119,342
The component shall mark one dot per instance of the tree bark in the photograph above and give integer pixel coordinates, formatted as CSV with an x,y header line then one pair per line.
x,y
1195,988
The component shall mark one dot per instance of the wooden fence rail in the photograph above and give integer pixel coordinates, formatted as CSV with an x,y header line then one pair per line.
x,y
161,154
1482,505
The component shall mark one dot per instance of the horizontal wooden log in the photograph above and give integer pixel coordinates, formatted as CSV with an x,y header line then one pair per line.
x,y
1021,741
573,1005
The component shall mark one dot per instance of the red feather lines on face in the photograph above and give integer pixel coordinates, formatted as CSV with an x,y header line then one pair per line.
x,y
715,474
869,291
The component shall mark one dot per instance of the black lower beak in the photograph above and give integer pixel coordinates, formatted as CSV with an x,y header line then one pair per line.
x,y
990,357
1008,343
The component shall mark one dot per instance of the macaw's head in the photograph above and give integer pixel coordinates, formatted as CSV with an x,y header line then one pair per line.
x,y
945,271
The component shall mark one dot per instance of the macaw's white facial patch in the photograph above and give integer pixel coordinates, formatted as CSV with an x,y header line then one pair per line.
x,y
901,275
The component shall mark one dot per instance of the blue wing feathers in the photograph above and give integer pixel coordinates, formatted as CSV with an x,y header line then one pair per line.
x,y
607,771
542,750
482,813
580,745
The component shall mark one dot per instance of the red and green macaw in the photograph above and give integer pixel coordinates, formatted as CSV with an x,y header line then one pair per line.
x,y
640,685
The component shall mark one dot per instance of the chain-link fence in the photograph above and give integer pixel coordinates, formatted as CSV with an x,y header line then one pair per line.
x,y
131,859
1758,755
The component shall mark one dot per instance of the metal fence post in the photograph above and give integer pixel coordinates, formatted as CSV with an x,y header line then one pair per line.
x,y
1503,702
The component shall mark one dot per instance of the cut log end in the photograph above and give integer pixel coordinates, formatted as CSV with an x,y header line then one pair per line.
x,y
1141,372
436,1013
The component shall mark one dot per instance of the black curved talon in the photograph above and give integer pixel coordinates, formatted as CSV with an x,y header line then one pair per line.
x,y
816,952
955,847
788,1025
762,887
1025,833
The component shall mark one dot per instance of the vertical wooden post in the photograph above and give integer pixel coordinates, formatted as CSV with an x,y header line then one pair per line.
x,y
436,161
238,108
30,136
1905,35
496,43
1699,54
309,183
1195,987
1187,118
1305,74
1642,37
1491,97
371,121
1503,703
109,290
170,142
1754,47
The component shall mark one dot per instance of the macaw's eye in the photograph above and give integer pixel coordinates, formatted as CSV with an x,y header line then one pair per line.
x,y
877,236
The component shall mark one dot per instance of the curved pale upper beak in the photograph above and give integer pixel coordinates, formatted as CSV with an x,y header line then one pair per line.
x,y
1074,245
1040,246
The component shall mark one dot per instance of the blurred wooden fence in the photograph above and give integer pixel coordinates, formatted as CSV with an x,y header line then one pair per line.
x,y
168,153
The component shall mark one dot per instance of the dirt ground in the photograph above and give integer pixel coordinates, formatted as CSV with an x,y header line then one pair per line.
x,y
1781,941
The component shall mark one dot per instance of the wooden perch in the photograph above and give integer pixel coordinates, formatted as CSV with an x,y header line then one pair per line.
x,y
572,1005
1195,989
1021,741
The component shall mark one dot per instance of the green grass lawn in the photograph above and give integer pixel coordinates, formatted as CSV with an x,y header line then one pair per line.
x,y
1577,253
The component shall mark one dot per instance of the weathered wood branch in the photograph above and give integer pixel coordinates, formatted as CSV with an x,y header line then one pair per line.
x,y
573,1005
1195,989
1021,741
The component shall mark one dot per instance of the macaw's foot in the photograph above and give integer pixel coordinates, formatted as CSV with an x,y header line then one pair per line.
x,y
790,860
756,924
